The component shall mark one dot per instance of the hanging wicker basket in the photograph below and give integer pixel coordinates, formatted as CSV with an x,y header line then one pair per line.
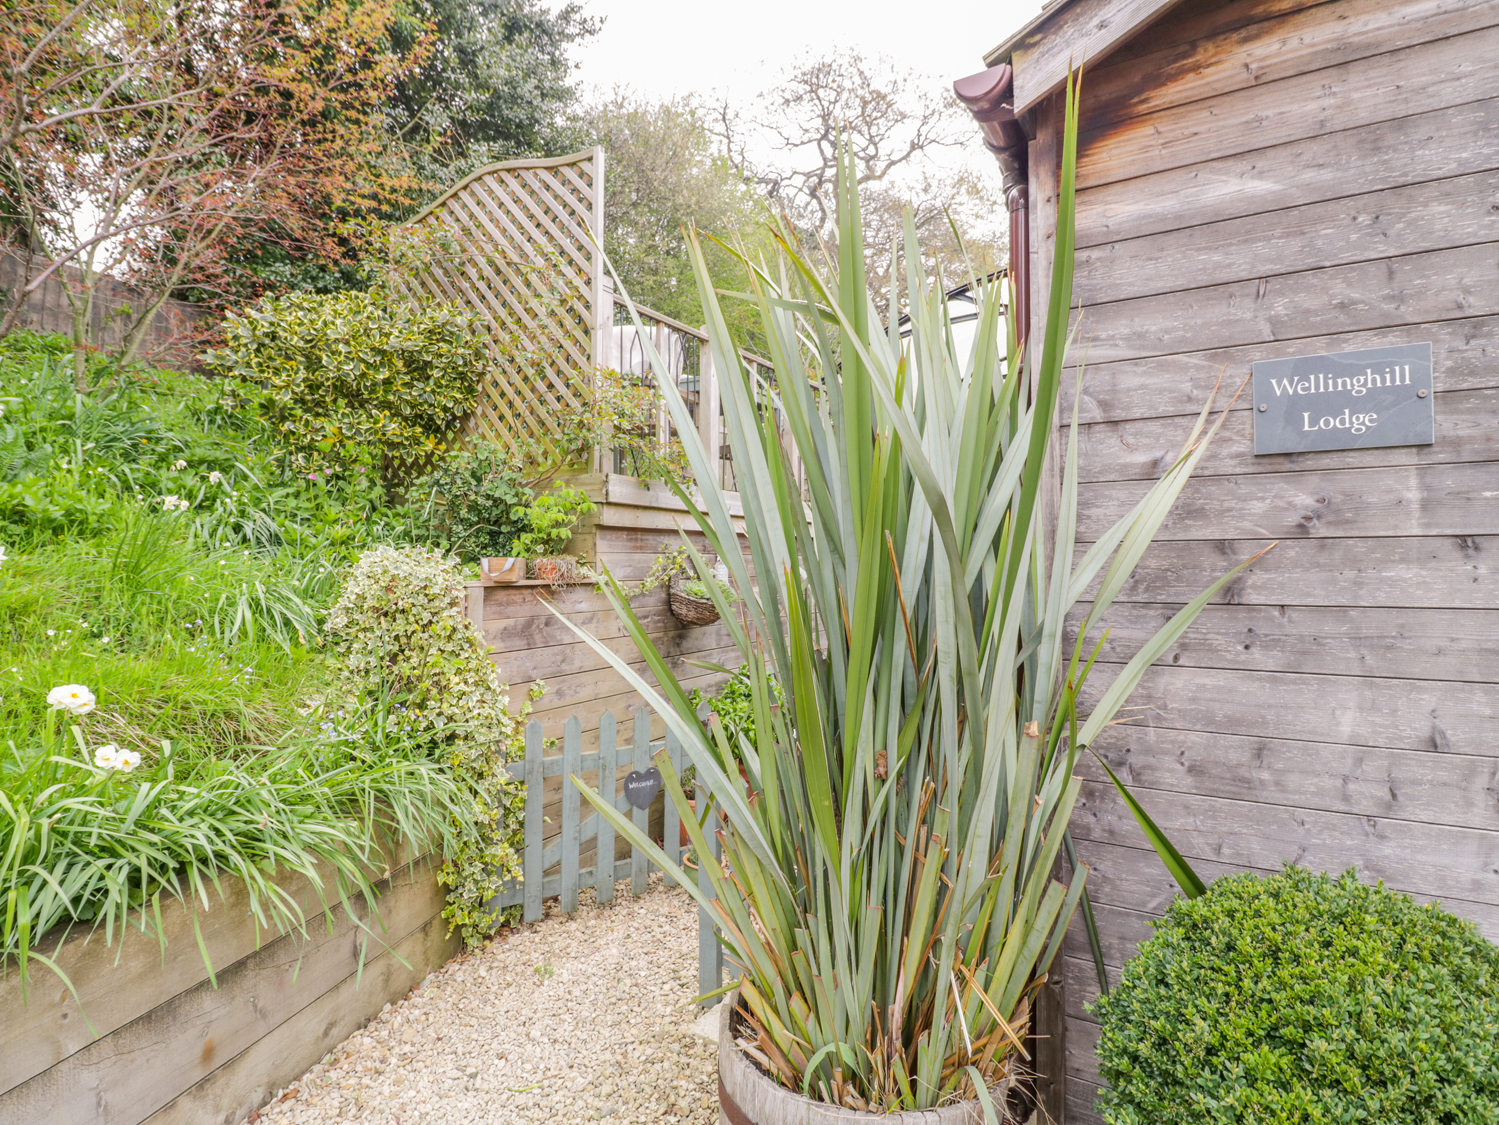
x,y
687,609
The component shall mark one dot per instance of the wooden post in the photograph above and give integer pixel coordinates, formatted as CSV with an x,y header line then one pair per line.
x,y
473,607
572,757
639,866
671,821
707,409
531,857
603,867
709,952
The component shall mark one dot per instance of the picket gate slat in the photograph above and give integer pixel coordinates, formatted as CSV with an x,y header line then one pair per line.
x,y
531,867
572,750
671,830
604,863
639,866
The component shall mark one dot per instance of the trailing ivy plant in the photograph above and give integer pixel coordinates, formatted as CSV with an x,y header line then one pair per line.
x,y
334,375
400,631
1303,998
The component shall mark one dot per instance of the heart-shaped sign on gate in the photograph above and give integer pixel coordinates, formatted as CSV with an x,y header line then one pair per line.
x,y
641,787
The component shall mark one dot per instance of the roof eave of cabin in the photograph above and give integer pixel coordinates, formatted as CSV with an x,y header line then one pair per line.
x,y
1067,34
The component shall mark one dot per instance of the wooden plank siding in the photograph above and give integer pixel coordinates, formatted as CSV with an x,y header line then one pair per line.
x,y
1261,179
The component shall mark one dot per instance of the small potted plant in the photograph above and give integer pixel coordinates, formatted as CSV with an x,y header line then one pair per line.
x,y
551,519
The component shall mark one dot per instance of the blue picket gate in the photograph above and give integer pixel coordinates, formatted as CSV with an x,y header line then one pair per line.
x,y
580,824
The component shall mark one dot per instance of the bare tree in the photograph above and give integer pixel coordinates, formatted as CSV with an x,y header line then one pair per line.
x,y
894,123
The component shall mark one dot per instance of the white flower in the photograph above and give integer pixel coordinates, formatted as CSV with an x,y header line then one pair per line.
x,y
175,504
111,757
178,466
73,698
215,477
3,555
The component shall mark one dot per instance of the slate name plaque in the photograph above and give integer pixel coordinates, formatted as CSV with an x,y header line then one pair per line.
x,y
1344,400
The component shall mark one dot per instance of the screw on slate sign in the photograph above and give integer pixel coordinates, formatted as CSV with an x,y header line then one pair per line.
x,y
1420,394
641,786
1262,408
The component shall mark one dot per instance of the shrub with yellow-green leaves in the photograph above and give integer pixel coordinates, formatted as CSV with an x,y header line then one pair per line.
x,y
338,375
400,631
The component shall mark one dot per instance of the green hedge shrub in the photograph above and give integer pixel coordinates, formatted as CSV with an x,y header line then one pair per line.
x,y
478,503
1300,998
337,375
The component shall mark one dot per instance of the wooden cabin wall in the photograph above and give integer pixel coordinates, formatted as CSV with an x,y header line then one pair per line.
x,y
1262,179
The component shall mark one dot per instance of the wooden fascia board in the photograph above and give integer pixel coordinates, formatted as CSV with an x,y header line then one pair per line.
x,y
1065,36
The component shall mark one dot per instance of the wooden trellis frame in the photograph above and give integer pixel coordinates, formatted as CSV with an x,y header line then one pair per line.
x,y
518,243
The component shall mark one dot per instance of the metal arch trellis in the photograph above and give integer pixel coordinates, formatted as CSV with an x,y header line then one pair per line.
x,y
518,244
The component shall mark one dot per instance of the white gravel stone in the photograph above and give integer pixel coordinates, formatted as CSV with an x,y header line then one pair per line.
x,y
573,1019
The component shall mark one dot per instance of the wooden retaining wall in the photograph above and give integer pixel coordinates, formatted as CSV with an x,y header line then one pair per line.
x,y
174,1050
1261,179
528,642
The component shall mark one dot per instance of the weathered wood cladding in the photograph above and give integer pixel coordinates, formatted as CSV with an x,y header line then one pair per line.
x,y
530,643
1261,179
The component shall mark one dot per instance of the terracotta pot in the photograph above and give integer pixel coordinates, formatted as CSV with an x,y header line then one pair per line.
x,y
748,1097
501,570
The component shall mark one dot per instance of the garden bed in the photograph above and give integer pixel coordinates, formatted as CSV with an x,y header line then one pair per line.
x,y
172,1047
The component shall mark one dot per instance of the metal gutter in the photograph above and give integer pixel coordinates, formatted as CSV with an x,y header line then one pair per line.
x,y
988,96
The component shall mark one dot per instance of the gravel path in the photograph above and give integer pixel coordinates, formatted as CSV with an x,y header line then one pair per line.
x,y
581,1018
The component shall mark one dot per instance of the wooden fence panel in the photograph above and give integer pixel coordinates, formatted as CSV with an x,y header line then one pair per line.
x,y
588,833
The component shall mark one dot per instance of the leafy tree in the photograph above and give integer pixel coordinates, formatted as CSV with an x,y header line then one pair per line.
x,y
148,138
666,170
480,81
497,84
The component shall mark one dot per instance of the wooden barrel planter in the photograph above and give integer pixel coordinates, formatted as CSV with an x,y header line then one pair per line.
x,y
747,1097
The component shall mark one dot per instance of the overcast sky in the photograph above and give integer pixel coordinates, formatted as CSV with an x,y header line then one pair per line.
x,y
666,47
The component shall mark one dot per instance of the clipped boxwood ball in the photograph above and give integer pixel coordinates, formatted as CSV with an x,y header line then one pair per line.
x,y
1304,999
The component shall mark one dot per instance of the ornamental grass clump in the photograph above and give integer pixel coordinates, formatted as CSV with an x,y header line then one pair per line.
x,y
892,831
92,836
1307,999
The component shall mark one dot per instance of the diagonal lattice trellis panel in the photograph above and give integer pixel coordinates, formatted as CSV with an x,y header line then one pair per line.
x,y
516,244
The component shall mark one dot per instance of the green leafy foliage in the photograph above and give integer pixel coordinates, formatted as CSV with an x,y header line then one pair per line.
x,y
400,632
550,521
1300,999
698,588
478,501
734,703
81,843
345,373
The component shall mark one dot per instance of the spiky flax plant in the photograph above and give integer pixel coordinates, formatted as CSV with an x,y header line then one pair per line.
x,y
891,889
